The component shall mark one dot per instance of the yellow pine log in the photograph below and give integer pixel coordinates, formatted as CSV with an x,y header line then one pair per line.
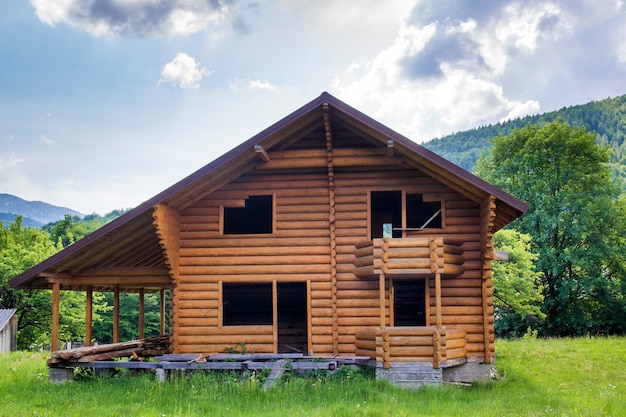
x,y
356,321
455,353
411,341
255,269
253,251
284,259
366,352
208,287
184,294
366,271
358,312
455,343
320,286
250,242
197,322
412,351
357,303
455,333
224,330
461,310
222,348
364,261
267,277
226,339
185,313
198,304
365,251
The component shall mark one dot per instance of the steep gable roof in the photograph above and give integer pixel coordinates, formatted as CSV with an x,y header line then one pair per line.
x,y
131,241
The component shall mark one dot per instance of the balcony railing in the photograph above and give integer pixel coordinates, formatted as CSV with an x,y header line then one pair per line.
x,y
415,256
440,346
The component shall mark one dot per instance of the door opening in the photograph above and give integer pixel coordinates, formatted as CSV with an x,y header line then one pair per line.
x,y
409,302
292,317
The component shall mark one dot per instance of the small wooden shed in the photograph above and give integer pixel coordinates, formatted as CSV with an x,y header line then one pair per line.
x,y
327,233
8,330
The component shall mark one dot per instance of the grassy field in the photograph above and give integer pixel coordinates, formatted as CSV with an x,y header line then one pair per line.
x,y
556,377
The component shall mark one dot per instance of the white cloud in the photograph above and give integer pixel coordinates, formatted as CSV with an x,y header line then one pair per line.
x,y
455,65
9,161
183,71
135,17
262,85
46,140
237,84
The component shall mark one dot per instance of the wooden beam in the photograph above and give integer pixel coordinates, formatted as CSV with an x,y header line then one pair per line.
x,y
142,293
261,153
438,299
88,315
56,298
116,315
381,289
390,148
275,315
162,312
309,325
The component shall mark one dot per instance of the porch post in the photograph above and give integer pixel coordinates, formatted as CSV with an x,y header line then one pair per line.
x,y
56,297
88,315
141,312
162,312
438,299
116,315
381,288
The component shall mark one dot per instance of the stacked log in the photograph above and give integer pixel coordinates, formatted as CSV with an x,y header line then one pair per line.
x,y
152,346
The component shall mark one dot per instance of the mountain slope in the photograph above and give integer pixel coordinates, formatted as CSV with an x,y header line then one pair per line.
x,y
605,117
35,213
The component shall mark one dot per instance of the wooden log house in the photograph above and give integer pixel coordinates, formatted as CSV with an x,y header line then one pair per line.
x,y
327,234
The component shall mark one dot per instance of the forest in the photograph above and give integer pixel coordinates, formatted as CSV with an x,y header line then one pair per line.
x,y
566,273
607,118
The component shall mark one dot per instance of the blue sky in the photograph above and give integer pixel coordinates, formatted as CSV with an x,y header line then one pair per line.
x,y
104,103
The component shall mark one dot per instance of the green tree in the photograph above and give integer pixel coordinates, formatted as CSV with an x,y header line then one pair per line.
x,y
517,291
21,248
575,219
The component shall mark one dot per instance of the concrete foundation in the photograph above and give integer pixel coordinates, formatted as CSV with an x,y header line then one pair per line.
x,y
60,375
410,375
468,373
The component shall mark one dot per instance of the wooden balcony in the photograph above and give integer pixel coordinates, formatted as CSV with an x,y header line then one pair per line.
x,y
408,256
437,345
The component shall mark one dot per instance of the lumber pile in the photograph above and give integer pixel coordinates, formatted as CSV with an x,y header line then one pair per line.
x,y
152,346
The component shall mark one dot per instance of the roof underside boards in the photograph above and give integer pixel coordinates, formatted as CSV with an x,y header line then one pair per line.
x,y
127,251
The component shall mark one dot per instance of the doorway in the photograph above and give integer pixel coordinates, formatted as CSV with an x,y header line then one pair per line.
x,y
291,298
409,302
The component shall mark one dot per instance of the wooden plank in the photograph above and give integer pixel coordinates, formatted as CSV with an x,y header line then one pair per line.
x,y
278,369
56,295
88,315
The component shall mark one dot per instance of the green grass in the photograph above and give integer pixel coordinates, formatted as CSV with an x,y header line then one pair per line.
x,y
556,377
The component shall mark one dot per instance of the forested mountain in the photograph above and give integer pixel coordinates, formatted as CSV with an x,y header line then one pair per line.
x,y
34,213
605,117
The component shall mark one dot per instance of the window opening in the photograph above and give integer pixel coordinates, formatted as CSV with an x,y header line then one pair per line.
x,y
386,208
421,214
255,218
247,304
409,302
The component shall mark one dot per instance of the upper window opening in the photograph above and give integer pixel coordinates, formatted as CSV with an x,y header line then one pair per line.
x,y
390,217
386,213
255,218
422,215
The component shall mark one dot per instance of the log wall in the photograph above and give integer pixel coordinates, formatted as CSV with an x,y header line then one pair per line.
x,y
303,249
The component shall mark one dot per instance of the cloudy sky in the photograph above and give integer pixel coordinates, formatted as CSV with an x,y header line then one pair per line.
x,y
105,103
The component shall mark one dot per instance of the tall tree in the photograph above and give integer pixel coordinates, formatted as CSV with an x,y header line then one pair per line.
x,y
574,217
517,290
